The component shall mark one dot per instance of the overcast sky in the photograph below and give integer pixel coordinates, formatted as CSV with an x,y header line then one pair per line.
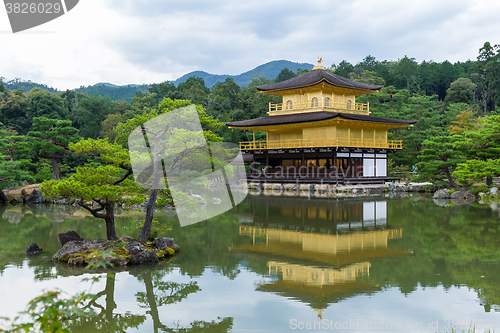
x,y
134,41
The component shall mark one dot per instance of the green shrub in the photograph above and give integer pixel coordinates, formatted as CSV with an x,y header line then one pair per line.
x,y
51,313
481,188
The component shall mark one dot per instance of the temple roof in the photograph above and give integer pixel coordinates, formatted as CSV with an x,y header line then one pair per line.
x,y
317,76
312,117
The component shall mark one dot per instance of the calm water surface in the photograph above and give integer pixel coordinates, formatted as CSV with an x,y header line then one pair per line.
x,y
278,264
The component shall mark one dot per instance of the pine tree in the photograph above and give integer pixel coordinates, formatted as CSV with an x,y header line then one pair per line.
x,y
53,136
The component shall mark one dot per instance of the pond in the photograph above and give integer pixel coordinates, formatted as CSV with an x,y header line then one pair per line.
x,y
277,264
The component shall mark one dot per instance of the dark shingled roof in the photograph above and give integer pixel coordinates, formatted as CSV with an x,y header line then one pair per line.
x,y
316,76
311,117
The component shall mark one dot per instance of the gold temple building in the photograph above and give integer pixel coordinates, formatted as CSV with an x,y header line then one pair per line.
x,y
319,130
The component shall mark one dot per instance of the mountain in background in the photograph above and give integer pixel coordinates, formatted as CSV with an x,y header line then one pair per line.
x,y
117,93
25,85
269,70
126,92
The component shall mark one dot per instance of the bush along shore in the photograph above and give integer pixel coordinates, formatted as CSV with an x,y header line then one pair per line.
x,y
31,194
490,197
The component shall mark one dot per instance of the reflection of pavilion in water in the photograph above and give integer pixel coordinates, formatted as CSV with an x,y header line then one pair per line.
x,y
317,215
319,251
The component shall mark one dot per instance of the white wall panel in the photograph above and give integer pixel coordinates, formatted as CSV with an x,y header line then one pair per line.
x,y
381,168
368,167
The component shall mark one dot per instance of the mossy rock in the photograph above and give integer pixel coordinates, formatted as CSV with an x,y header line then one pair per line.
x,y
121,252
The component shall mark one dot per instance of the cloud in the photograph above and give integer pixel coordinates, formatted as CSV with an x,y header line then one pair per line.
x,y
228,37
130,41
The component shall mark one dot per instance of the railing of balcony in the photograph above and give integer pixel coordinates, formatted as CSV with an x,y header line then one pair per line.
x,y
318,105
299,143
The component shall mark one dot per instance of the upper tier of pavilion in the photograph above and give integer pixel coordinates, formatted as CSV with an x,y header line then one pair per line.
x,y
319,90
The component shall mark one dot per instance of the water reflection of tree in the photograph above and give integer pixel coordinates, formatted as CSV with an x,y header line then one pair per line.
x,y
221,326
159,293
16,236
106,320
28,224
453,246
207,245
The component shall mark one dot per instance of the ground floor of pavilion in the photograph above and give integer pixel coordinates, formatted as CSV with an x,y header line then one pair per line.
x,y
327,165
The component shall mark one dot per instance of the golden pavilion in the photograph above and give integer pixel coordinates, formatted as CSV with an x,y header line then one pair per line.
x,y
320,132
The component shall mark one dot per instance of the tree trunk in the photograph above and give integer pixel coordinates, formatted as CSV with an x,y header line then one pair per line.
x,y
55,169
109,217
146,228
450,179
489,181
485,100
110,221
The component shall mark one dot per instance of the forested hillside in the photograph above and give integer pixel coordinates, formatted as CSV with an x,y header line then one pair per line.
x,y
127,92
25,85
116,93
451,102
270,70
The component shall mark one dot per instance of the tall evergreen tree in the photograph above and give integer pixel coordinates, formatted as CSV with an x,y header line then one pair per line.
x,y
12,171
487,74
439,159
482,143
105,185
53,137
284,75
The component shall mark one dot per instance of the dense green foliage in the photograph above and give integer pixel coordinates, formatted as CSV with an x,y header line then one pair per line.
x,y
51,313
52,138
13,165
444,98
116,93
104,185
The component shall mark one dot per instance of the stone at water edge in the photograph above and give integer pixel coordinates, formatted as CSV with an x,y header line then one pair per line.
x,y
493,191
67,236
78,246
35,197
33,249
74,252
164,242
441,194
216,201
17,200
139,254
463,196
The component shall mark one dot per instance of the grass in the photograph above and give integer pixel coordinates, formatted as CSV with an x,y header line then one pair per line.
x,y
17,192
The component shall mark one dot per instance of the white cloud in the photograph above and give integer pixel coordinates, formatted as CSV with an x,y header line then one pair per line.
x,y
130,41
